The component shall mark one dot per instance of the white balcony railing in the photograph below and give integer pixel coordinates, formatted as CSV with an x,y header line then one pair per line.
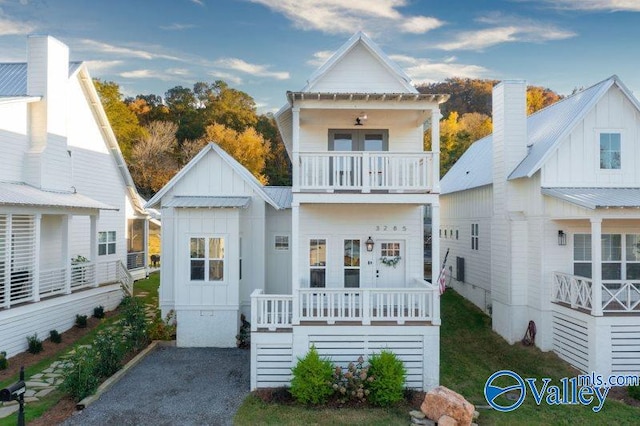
x,y
53,281
83,275
577,291
361,305
366,171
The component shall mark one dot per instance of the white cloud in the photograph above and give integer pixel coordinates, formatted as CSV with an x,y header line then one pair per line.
x,y
228,77
604,5
102,66
98,46
257,70
169,75
347,16
319,58
177,27
420,24
423,70
15,27
507,29
198,2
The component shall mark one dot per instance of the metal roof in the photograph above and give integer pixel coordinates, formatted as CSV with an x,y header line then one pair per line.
x,y
282,195
472,170
26,195
593,198
208,202
13,78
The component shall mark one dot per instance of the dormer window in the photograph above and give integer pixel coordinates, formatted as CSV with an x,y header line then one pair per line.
x,y
610,151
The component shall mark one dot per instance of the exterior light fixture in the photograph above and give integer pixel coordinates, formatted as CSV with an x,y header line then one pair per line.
x,y
358,122
562,238
369,244
359,119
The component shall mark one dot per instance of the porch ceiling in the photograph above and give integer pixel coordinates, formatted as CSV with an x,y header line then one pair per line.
x,y
593,198
21,194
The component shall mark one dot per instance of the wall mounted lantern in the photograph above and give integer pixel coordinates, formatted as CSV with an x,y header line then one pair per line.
x,y
562,238
362,117
369,244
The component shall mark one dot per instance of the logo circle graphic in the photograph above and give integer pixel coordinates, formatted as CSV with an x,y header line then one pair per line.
x,y
491,391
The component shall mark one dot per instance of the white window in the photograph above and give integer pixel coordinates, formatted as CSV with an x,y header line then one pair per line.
x,y
317,263
610,151
106,243
620,256
390,250
582,255
281,242
206,259
474,236
352,263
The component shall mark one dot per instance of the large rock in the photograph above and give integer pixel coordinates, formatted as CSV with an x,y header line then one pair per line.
x,y
442,401
447,421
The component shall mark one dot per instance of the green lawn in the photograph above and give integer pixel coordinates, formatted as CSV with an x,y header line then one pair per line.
x,y
470,353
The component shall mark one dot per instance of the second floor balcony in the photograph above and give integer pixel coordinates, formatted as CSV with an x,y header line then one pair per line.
x,y
365,171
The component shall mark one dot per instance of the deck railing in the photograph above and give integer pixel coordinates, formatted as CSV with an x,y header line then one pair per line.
x,y
617,295
53,281
83,275
361,305
366,171
135,260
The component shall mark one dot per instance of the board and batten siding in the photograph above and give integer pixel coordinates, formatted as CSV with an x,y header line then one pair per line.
x,y
14,141
461,210
57,313
346,76
278,262
576,162
335,223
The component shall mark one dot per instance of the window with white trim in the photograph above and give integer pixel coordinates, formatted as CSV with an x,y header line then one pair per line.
x,y
474,236
281,242
582,255
318,263
610,151
106,243
351,263
206,259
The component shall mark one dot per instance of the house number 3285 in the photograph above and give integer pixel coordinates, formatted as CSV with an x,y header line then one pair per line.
x,y
390,228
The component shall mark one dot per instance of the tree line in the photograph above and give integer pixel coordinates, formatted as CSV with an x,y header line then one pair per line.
x,y
159,135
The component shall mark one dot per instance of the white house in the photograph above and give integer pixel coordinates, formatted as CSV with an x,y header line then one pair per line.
x,y
542,222
336,260
65,195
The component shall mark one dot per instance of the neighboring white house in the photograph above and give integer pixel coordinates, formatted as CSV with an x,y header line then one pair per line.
x,y
65,194
336,260
542,220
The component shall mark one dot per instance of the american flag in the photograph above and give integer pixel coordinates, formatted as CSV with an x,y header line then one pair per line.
x,y
443,281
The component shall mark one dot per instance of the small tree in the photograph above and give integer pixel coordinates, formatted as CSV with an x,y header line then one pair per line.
x,y
312,379
389,375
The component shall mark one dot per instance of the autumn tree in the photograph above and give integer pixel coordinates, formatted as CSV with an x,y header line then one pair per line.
x,y
277,165
540,97
248,147
148,108
153,161
123,121
186,111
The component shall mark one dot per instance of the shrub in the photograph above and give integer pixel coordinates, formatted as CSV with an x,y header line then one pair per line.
x,y
80,378
81,321
163,329
387,386
243,338
4,363
312,379
134,323
351,384
54,336
109,350
98,312
634,392
35,344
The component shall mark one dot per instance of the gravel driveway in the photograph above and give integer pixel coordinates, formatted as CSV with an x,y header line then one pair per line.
x,y
186,386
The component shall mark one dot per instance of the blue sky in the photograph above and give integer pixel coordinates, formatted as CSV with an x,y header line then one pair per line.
x,y
266,47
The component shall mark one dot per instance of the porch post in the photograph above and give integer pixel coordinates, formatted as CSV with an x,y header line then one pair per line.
x,y
296,255
37,225
435,261
93,247
66,251
145,249
295,160
596,266
435,148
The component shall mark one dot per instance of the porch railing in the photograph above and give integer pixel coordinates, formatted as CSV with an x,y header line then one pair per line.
x,y
83,275
576,291
364,305
135,260
366,171
53,281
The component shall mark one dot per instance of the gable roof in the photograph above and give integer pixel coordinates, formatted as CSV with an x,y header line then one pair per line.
x,y
545,130
374,49
237,167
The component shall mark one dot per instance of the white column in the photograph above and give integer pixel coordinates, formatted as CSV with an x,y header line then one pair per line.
x,y
66,251
596,266
93,247
295,143
295,261
435,147
435,260
146,245
36,273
